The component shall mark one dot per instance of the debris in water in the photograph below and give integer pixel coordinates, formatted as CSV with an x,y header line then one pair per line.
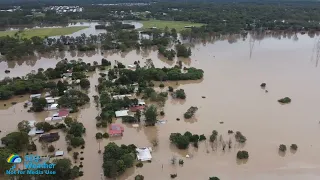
x,y
4,104
13,103
178,119
7,71
263,85
267,91
221,122
187,156
203,97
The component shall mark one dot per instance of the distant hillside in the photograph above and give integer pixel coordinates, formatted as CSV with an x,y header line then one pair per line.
x,y
124,1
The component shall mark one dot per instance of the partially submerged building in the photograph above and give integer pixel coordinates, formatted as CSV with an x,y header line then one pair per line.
x,y
144,154
116,130
121,113
50,137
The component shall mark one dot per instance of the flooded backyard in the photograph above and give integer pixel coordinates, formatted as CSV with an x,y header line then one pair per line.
x,y
234,70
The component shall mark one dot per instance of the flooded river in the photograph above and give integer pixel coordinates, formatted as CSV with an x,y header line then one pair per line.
x,y
231,86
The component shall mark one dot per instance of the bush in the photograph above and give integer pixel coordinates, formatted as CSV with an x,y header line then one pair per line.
x,y
98,124
139,177
80,173
105,135
190,112
294,147
173,176
242,155
99,135
51,148
69,148
75,155
284,100
230,132
240,138
181,162
170,89
214,178
82,158
139,164
162,113
81,166
180,94
161,85
202,137
282,148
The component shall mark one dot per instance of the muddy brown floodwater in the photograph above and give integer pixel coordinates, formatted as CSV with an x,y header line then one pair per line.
x,y
231,85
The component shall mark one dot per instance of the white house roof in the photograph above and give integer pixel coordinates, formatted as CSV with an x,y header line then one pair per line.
x,y
121,113
144,154
32,123
35,96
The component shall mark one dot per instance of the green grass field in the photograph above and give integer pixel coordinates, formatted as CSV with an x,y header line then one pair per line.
x,y
42,32
178,25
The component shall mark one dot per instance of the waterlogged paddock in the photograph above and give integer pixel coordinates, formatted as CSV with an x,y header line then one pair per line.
x,y
231,85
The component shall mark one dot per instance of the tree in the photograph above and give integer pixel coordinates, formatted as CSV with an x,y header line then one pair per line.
x,y
51,148
294,147
76,141
128,160
75,155
62,168
16,141
24,126
76,129
170,89
151,115
214,178
4,154
282,148
137,115
84,83
242,155
38,104
68,121
240,138
99,135
45,126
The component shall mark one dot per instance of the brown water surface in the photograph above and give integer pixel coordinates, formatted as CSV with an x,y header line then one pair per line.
x,y
231,85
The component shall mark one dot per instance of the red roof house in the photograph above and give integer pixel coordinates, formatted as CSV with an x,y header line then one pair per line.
x,y
63,112
116,130
136,108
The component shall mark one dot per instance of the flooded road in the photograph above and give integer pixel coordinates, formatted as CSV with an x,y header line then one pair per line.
x,y
231,86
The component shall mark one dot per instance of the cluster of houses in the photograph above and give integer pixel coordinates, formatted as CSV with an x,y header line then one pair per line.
x,y
64,9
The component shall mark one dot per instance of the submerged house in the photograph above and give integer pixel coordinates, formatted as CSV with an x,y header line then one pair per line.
x,y
144,154
49,137
33,131
136,108
116,130
121,113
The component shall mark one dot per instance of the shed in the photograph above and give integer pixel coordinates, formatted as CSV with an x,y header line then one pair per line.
x,y
144,154
121,113
116,130
59,153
